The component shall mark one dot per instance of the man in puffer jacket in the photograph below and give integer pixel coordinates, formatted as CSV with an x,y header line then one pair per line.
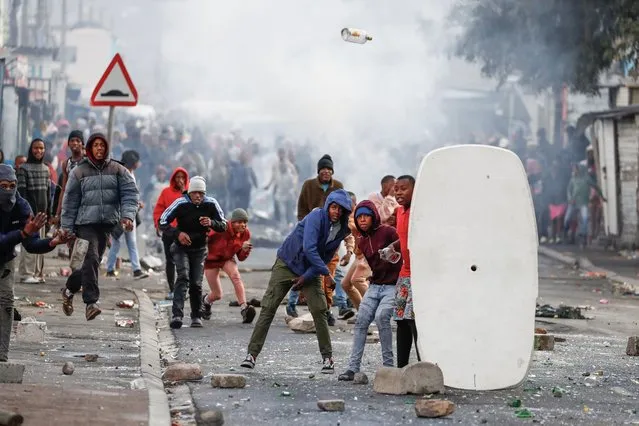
x,y
99,194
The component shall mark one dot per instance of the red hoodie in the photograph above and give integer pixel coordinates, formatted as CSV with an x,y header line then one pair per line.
x,y
377,238
224,245
168,195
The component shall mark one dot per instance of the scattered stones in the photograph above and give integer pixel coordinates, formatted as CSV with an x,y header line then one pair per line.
x,y
360,379
331,405
285,393
373,338
632,349
138,383
419,378
623,392
302,324
11,373
544,342
91,357
432,408
211,418
68,368
182,372
31,330
228,381
539,330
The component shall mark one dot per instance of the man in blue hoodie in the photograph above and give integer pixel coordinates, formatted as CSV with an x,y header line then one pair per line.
x,y
301,262
17,226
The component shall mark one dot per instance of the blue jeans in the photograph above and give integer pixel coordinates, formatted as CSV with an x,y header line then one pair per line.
x,y
339,295
583,222
377,305
131,244
189,264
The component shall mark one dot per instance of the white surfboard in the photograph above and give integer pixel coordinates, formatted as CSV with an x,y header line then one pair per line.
x,y
473,246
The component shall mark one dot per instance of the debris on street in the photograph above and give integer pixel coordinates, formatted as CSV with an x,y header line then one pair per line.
x,y
544,342
632,349
182,372
125,323
563,311
228,381
592,275
126,304
68,368
331,405
433,408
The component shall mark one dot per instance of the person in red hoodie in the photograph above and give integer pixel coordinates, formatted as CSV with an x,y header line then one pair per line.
x,y
223,248
178,183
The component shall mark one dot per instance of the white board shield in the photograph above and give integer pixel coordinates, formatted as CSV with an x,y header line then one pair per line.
x,y
473,245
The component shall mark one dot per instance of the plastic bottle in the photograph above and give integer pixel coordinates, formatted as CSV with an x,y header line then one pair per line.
x,y
354,35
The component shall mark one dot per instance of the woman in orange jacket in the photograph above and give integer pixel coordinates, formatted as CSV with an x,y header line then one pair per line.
x,y
223,248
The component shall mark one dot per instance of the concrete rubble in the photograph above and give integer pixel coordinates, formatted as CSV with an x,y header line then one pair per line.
x,y
420,378
228,381
31,330
182,372
331,405
433,408
632,349
544,342
302,324
11,372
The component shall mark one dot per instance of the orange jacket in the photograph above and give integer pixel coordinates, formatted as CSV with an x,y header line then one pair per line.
x,y
224,245
167,196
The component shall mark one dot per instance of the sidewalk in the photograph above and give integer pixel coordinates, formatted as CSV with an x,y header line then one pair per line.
x,y
621,269
122,387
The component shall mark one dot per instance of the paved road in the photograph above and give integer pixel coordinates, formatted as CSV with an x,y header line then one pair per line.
x,y
290,362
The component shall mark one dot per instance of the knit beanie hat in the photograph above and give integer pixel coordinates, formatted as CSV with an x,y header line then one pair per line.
x,y
197,184
77,134
239,215
326,162
363,211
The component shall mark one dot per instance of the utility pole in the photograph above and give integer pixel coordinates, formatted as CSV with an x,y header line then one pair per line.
x,y
63,40
24,40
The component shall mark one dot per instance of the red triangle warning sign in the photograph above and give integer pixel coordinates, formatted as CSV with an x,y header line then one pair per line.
x,y
115,87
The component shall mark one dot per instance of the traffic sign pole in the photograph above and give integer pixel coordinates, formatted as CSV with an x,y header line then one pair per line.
x,y
110,123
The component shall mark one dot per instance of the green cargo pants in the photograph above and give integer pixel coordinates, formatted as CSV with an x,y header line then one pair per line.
x,y
280,283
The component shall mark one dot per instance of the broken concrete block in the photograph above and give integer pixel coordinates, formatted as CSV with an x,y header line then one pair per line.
x,y
331,405
211,418
432,408
182,372
360,379
302,324
91,357
68,368
632,349
30,330
11,373
544,342
228,381
419,378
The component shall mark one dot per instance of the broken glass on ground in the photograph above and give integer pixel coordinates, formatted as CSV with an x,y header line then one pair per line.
x,y
563,311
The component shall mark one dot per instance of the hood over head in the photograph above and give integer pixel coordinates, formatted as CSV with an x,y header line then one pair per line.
x,y
7,197
30,157
369,206
89,147
175,172
341,198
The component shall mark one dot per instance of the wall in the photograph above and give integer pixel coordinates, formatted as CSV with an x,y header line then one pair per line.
x,y
628,143
10,123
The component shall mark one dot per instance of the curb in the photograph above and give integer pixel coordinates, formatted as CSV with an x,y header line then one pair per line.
x,y
159,413
620,284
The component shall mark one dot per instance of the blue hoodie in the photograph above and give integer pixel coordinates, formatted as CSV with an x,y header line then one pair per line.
x,y
305,251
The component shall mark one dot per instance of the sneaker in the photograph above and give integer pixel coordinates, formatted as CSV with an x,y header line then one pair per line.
x,y
347,376
249,362
111,274
92,311
291,312
139,274
206,308
256,303
196,323
558,240
32,280
248,314
67,303
330,318
346,313
176,323
543,240
329,366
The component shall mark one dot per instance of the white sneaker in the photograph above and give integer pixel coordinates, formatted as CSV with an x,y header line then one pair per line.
x,y
32,280
543,240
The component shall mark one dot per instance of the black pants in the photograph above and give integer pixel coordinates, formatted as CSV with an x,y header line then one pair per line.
x,y
240,200
406,334
170,265
87,276
189,263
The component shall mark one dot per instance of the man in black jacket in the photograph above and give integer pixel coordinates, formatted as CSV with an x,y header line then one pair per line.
x,y
17,226
196,215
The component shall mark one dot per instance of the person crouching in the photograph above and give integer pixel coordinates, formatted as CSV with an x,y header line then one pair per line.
x,y
196,215
223,248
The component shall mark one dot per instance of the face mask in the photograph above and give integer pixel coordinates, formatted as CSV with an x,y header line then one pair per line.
x,y
7,199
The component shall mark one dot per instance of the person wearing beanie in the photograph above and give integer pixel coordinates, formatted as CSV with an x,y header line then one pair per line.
x,y
17,226
76,146
100,194
378,301
34,185
130,160
187,222
314,193
223,248
178,183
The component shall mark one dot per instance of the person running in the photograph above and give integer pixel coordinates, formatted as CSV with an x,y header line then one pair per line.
x,y
76,146
301,262
223,248
99,194
195,214
403,314
379,299
17,226
178,183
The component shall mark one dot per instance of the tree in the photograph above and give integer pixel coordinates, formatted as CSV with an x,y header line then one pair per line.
x,y
548,44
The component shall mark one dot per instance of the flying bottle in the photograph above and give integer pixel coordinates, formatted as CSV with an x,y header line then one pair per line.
x,y
353,35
